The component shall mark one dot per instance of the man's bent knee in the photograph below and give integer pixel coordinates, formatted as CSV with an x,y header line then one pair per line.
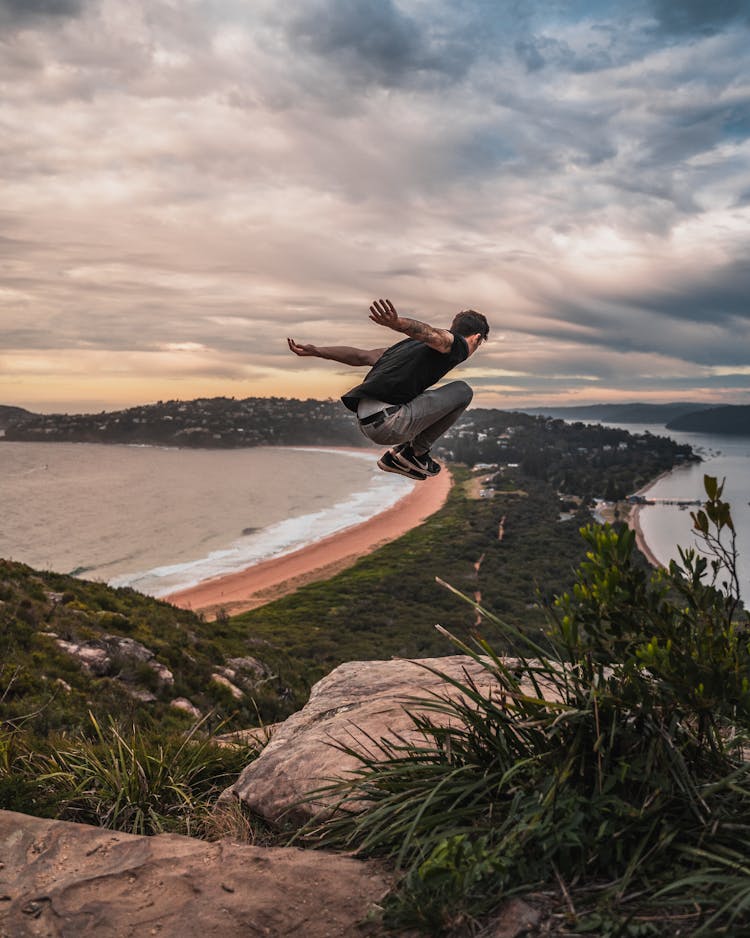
x,y
463,392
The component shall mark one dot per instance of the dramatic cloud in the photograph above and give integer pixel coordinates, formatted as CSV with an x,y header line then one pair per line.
x,y
183,185
22,11
700,16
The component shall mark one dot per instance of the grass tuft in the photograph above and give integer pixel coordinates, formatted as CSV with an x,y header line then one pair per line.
x,y
137,781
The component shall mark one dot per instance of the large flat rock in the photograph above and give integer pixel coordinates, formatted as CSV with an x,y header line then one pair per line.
x,y
62,880
357,703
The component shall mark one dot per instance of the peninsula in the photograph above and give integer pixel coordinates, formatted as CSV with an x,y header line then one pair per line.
x,y
732,420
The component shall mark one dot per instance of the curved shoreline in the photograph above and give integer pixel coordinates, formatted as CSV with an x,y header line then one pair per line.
x,y
270,579
634,522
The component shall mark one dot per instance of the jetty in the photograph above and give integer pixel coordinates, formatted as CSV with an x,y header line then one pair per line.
x,y
679,502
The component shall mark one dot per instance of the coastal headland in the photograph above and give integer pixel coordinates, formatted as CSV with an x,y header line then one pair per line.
x,y
279,576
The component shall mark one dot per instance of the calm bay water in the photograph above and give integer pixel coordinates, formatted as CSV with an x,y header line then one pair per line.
x,y
666,526
160,519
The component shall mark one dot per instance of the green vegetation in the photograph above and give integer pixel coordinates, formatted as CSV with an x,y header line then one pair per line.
x,y
591,461
607,777
10,415
138,781
551,449
48,690
217,422
624,413
62,754
387,604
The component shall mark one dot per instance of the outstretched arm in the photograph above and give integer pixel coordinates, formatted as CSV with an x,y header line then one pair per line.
x,y
346,354
384,313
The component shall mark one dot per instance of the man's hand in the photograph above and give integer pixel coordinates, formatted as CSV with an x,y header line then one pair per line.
x,y
383,312
302,350
345,354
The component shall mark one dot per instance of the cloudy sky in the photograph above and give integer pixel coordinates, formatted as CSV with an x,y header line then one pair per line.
x,y
183,183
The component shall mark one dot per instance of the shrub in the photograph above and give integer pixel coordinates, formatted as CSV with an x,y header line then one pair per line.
x,y
609,769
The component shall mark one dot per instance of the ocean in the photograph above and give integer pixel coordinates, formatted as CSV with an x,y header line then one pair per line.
x,y
161,519
666,526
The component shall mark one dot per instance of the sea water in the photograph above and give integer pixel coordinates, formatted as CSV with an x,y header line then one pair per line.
x,y
161,519
667,526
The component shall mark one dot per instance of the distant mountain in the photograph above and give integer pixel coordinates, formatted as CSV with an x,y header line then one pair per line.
x,y
9,415
732,419
623,413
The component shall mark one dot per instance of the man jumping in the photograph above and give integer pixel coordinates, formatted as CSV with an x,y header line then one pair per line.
x,y
393,405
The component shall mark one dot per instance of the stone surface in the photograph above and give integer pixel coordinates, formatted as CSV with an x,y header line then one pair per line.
x,y
253,667
256,736
99,656
358,702
162,672
94,658
139,693
516,918
62,880
182,703
225,682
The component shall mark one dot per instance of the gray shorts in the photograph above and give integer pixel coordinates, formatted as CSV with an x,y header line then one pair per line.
x,y
424,420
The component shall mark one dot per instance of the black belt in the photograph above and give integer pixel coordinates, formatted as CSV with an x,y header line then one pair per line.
x,y
379,416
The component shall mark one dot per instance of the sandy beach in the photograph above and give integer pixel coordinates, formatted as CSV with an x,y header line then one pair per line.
x,y
634,523
266,581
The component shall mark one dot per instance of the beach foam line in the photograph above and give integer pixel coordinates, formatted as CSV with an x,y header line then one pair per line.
x,y
278,539
271,579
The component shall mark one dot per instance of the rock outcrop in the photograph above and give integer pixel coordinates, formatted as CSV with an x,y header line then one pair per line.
x,y
182,703
358,702
62,880
105,655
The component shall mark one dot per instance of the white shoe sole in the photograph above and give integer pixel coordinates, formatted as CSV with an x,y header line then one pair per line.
x,y
407,464
402,470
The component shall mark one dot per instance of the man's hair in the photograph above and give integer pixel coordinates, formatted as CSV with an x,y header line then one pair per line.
x,y
470,322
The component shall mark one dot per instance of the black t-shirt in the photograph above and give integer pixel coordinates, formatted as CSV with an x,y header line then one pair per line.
x,y
405,370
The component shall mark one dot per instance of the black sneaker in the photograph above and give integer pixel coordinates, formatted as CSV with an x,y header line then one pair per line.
x,y
406,456
387,463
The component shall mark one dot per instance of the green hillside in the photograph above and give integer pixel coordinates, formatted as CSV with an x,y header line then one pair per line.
x,y
69,647
623,413
9,415
733,420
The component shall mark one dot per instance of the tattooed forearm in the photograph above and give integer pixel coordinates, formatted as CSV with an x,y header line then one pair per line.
x,y
416,329
383,312
439,339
